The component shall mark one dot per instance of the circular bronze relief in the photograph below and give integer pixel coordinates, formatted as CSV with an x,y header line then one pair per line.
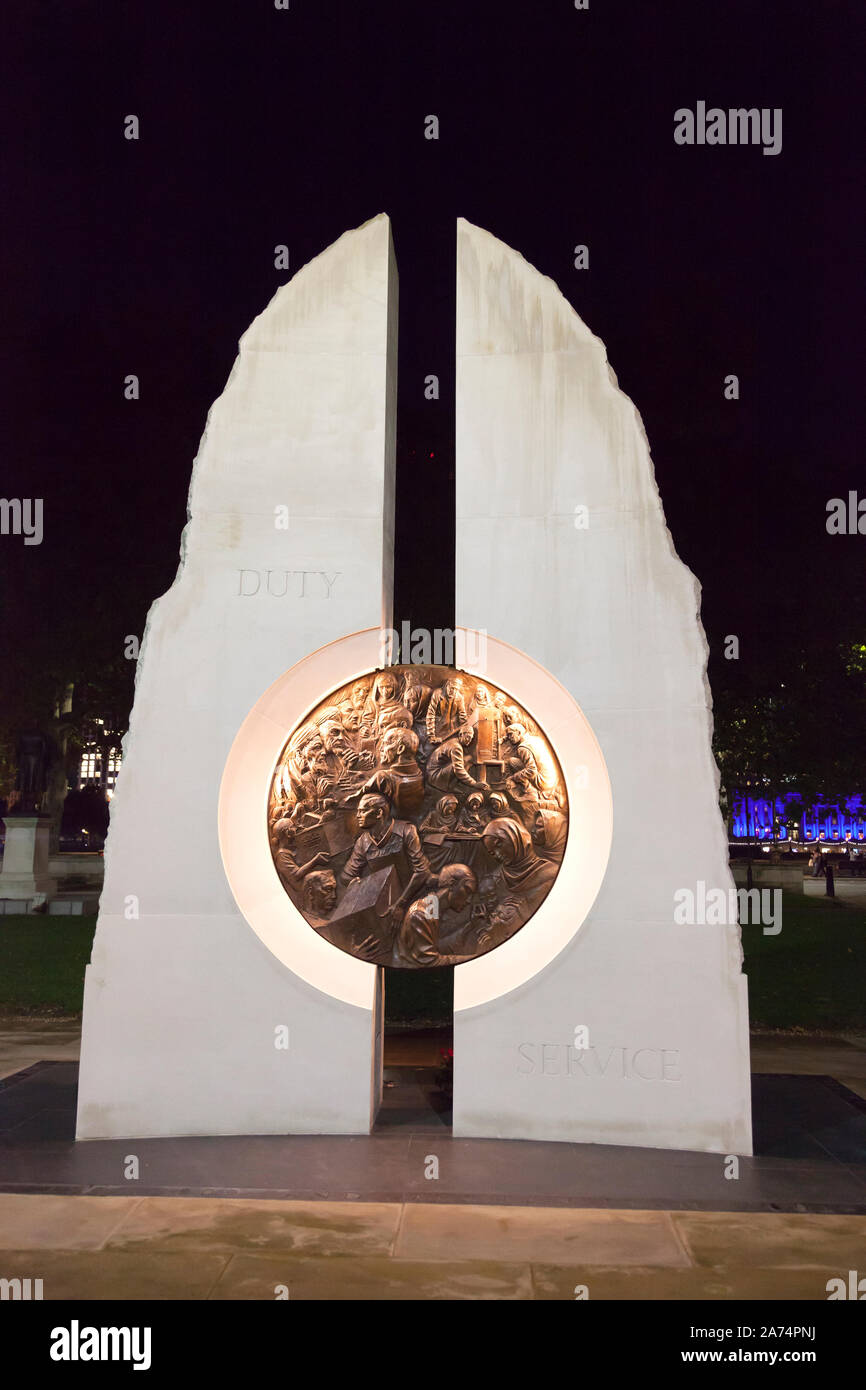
x,y
418,817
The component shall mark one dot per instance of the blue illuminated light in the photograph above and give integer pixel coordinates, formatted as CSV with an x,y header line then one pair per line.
x,y
836,822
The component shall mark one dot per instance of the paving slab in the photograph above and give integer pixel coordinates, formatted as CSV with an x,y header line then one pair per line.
x,y
296,1228
373,1280
115,1274
59,1223
141,1248
549,1235
834,1243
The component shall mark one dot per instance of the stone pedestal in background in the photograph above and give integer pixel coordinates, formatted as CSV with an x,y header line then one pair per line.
x,y
25,880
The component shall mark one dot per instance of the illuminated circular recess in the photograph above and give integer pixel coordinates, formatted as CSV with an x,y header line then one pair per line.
x,y
248,862
417,817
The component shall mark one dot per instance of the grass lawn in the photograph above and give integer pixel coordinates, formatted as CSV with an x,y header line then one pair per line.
x,y
812,976
42,962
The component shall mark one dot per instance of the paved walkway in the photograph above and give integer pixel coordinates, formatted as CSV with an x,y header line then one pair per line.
x,y
852,890
128,1247
200,1248
843,1058
24,1041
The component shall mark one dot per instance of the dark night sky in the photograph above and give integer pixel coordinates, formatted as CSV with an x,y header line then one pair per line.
x,y
261,127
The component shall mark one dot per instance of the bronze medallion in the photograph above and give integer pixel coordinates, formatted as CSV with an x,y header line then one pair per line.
x,y
418,817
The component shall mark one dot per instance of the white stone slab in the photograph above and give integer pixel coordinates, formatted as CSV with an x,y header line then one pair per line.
x,y
182,1002
613,614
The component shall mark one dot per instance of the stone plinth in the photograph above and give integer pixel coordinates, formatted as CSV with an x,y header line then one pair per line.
x,y
25,875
